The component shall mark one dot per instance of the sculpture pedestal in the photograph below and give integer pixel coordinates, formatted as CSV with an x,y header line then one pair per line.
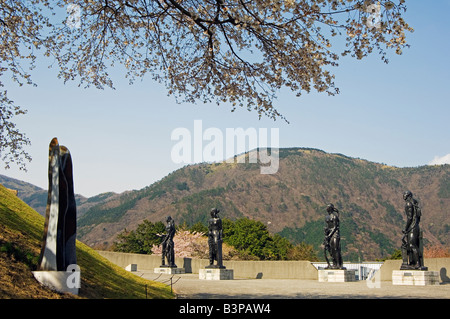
x,y
131,267
336,275
415,277
216,274
169,270
60,281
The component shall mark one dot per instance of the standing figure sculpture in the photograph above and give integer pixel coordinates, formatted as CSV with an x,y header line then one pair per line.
x,y
215,239
411,241
168,244
60,228
333,238
57,264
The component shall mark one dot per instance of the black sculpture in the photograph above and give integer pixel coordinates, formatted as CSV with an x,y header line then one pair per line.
x,y
411,241
168,244
59,240
215,240
332,240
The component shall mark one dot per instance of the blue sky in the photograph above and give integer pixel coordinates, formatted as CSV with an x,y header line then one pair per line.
x,y
396,113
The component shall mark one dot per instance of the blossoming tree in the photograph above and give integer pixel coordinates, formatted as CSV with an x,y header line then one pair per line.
x,y
241,52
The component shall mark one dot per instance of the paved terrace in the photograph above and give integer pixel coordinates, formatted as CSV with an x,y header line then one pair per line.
x,y
282,280
189,286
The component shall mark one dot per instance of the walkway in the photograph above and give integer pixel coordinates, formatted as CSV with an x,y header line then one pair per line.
x,y
189,286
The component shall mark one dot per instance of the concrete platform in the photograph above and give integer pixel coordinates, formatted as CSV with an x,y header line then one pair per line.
x,y
169,271
336,275
131,267
60,281
189,286
216,274
415,277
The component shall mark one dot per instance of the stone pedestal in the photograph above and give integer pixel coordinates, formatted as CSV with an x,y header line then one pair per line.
x,y
216,274
169,270
131,267
60,281
415,277
336,275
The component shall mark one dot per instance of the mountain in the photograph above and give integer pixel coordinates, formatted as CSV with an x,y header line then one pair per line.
x,y
36,197
291,202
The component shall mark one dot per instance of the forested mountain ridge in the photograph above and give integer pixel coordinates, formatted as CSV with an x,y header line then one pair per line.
x,y
291,202
36,197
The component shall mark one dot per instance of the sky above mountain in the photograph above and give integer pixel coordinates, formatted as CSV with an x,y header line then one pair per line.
x,y
122,139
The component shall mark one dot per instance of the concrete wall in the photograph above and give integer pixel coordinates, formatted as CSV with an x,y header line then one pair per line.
x,y
387,268
441,265
265,269
242,269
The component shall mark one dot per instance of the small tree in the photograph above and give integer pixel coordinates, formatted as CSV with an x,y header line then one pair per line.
x,y
250,236
192,244
141,240
199,227
302,251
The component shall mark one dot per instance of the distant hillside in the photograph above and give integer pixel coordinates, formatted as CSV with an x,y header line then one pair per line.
x,y
291,202
36,197
21,231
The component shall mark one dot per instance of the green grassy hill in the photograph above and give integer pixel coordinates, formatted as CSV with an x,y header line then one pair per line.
x,y
21,231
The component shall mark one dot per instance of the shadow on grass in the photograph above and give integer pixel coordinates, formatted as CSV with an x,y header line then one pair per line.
x,y
101,279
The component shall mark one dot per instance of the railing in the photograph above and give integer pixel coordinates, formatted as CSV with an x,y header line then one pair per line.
x,y
172,282
364,270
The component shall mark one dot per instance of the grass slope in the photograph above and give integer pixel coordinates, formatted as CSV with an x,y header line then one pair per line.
x,y
21,231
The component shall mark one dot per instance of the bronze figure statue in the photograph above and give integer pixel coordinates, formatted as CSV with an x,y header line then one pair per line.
x,y
215,238
411,248
168,244
332,240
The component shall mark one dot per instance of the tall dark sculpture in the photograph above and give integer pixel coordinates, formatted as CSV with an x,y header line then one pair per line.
x,y
168,244
215,237
332,240
58,244
411,241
